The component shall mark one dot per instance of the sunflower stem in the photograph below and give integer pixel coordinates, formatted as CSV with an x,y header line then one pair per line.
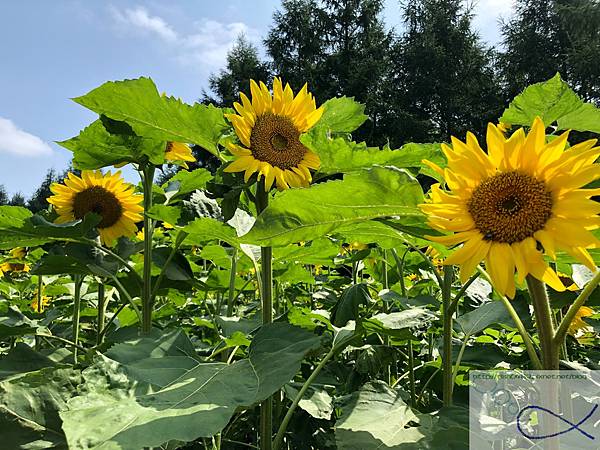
x,y
147,182
447,372
231,290
266,269
561,332
101,313
535,360
78,279
543,318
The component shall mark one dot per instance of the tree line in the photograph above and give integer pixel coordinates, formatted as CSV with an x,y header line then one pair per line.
x,y
432,79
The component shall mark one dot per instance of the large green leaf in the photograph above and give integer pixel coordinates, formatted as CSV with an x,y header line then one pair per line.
x,y
306,214
206,229
153,116
95,147
30,405
29,231
482,317
398,324
347,307
553,101
376,417
340,155
114,415
342,114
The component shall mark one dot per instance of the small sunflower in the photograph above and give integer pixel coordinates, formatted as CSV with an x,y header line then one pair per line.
x,y
269,128
522,199
178,152
18,252
35,302
14,267
578,323
106,195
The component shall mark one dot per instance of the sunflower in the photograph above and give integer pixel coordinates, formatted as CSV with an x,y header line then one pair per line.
x,y
578,323
35,302
178,152
14,267
520,200
269,129
18,252
106,195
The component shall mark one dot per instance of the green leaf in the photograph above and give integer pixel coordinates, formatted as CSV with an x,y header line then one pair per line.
x,y
342,114
168,214
584,118
398,324
341,156
549,100
320,251
177,269
30,405
482,317
305,214
553,101
153,116
207,229
347,308
316,401
185,182
22,359
14,323
36,230
95,147
375,417
199,403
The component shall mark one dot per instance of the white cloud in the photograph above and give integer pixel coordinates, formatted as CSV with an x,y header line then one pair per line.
x,y
205,46
487,17
18,142
140,18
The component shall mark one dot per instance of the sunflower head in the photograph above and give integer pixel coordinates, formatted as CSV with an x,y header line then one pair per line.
x,y
14,267
179,153
36,306
514,204
269,129
18,253
106,195
578,323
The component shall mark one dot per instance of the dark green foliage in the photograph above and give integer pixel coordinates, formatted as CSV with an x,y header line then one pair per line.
x,y
546,37
243,64
444,83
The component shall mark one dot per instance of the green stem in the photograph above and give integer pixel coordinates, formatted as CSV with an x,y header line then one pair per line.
x,y
561,332
266,261
63,340
109,252
461,352
76,312
231,291
290,412
411,374
178,241
101,313
461,292
543,319
147,181
527,341
40,288
447,371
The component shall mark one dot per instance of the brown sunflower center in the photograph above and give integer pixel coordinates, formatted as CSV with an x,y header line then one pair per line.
x,y
98,200
510,207
276,140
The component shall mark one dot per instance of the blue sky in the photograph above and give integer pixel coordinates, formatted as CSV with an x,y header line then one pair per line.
x,y
53,51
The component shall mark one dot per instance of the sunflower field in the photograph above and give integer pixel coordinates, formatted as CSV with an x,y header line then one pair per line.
x,y
311,293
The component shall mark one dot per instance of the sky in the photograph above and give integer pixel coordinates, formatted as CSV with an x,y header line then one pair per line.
x,y
54,51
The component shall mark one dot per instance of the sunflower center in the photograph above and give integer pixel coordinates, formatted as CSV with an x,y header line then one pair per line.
x,y
98,200
510,207
276,140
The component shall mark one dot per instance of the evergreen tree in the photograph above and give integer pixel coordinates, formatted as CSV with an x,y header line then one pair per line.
x,y
444,83
17,200
3,195
340,47
38,201
545,37
243,64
